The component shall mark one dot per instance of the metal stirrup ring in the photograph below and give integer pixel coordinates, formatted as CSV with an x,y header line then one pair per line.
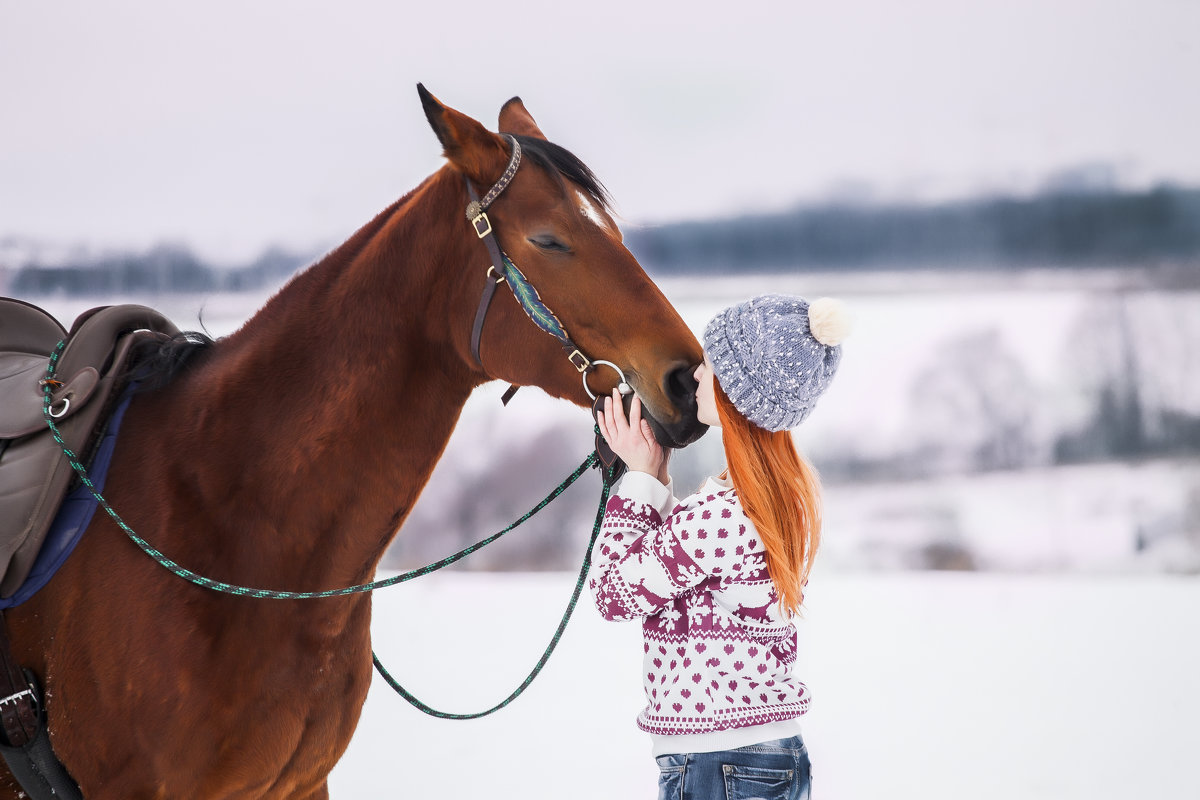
x,y
66,404
623,387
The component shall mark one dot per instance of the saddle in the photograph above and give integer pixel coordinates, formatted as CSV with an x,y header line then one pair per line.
x,y
91,372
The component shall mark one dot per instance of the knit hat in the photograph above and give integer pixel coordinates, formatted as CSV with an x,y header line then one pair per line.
x,y
775,354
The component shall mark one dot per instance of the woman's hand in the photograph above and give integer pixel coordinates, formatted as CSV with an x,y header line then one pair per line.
x,y
632,440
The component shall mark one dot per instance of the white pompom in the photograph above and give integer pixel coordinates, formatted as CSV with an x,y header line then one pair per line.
x,y
829,321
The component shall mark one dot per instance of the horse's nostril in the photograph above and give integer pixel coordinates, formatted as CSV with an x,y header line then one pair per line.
x,y
680,387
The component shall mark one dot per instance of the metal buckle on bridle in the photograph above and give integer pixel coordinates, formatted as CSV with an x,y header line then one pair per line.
x,y
583,365
476,208
479,219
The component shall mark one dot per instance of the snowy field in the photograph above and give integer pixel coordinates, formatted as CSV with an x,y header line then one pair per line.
x,y
934,686
1064,670
1057,334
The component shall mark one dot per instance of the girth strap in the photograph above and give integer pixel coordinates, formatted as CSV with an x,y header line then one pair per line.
x,y
26,740
18,713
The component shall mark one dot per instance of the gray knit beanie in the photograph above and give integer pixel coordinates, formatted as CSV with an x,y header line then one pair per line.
x,y
775,354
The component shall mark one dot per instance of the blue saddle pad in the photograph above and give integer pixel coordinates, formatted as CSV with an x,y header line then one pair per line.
x,y
73,516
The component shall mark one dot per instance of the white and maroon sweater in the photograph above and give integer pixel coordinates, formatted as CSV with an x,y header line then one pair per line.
x,y
718,651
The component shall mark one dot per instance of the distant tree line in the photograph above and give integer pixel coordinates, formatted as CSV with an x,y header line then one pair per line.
x,y
165,268
1060,227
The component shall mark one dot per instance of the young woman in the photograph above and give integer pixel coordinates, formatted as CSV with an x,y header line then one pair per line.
x,y
717,577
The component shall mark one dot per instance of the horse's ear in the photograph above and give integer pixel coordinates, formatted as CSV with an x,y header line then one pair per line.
x,y
514,118
469,146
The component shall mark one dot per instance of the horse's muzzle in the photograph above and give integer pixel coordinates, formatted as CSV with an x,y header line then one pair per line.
x,y
679,387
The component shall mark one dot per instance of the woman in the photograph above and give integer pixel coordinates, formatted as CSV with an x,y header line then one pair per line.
x,y
717,577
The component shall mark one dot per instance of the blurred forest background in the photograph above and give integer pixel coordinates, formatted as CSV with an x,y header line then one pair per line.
x,y
1076,447
1080,220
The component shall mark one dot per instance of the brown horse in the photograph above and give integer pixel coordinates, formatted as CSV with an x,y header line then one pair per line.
x,y
287,455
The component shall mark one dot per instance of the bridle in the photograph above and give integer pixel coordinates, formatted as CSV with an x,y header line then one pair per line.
x,y
524,292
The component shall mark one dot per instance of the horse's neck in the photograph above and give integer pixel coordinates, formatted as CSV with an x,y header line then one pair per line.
x,y
331,407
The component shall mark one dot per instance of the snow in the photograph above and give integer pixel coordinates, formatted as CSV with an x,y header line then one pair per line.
x,y
1086,518
1121,516
1067,671
925,685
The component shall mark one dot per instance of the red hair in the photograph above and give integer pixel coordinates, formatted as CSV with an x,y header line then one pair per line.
x,y
780,493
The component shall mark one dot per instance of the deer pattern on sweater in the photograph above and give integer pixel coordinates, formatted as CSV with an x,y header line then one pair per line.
x,y
717,650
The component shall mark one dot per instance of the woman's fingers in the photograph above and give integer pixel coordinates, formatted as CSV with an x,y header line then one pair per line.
x,y
639,424
635,413
618,413
648,435
630,438
602,424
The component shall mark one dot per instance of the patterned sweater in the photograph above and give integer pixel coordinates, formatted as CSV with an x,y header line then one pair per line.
x,y
717,650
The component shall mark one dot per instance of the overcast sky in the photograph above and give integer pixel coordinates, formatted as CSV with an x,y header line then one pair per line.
x,y
230,125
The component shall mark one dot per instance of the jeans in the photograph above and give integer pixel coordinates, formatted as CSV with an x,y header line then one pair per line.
x,y
775,770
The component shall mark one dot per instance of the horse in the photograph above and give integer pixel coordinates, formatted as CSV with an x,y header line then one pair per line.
x,y
287,454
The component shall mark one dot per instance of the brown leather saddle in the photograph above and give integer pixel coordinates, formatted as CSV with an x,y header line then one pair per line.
x,y
91,371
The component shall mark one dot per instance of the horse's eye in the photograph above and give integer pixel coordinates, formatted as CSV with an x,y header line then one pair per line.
x,y
549,243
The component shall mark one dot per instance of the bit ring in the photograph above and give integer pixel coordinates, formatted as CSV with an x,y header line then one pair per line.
x,y
623,387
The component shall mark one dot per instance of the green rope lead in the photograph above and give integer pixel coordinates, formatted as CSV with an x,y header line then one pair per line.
x,y
562,625
269,594
592,460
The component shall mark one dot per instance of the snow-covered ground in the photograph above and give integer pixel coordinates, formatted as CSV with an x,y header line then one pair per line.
x,y
1067,673
934,686
1113,517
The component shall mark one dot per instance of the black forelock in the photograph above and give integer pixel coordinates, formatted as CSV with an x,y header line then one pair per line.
x,y
562,162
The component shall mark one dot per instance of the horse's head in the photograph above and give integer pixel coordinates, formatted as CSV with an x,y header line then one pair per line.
x,y
551,220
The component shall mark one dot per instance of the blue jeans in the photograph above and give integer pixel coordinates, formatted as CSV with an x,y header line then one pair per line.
x,y
775,770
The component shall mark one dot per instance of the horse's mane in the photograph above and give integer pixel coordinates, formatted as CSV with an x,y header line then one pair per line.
x,y
157,362
559,161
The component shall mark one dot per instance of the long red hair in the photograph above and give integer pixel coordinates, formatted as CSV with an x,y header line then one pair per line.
x,y
780,493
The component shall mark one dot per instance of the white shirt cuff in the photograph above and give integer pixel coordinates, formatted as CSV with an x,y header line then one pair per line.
x,y
645,488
